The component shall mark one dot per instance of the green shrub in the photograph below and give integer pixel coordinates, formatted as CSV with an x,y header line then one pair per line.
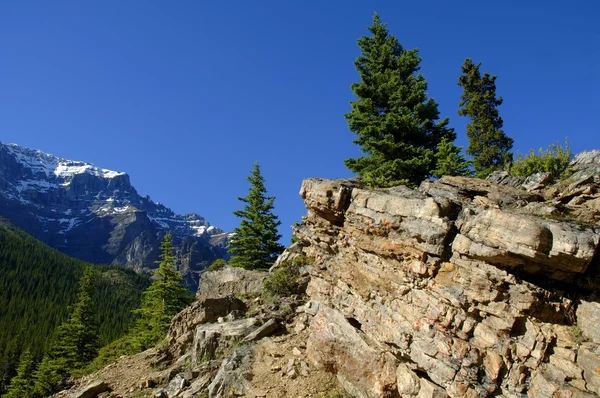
x,y
217,265
554,160
284,280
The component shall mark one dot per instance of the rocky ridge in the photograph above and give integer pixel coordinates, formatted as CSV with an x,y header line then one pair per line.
x,y
97,215
461,288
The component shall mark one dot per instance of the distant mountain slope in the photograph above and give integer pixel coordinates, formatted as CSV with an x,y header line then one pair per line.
x,y
96,214
38,283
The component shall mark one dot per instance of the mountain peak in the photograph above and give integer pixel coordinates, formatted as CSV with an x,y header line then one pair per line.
x,y
47,164
95,214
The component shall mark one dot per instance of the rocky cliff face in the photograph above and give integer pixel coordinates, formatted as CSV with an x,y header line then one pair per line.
x,y
457,289
97,215
462,288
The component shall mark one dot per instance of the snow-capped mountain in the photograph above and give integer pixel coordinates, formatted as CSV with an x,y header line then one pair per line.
x,y
97,215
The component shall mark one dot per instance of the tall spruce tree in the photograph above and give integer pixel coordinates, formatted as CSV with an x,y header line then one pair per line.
x,y
75,341
488,144
21,385
395,120
256,241
163,299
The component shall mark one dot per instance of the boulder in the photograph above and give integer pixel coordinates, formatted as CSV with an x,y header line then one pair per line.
x,y
210,337
585,164
537,181
229,281
176,385
234,375
92,390
264,330
183,326
501,177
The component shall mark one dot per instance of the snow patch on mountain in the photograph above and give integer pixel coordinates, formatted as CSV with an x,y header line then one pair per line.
x,y
44,175
42,163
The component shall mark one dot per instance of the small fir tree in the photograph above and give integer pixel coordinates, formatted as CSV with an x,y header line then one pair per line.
x,y
488,144
256,241
396,122
450,161
21,385
75,341
161,301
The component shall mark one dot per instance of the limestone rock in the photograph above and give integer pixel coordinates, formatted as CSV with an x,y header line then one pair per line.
x,y
588,319
229,281
264,330
458,289
234,375
175,386
501,177
183,326
507,239
588,358
91,390
464,189
586,164
210,336
537,181
334,344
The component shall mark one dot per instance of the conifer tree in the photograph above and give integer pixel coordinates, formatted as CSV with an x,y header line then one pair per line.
x,y
450,162
161,301
75,341
395,120
21,385
256,241
488,144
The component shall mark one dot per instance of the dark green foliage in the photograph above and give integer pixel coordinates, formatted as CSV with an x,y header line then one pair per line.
x,y
488,144
38,284
256,241
75,341
395,121
161,301
126,345
21,385
49,376
217,265
284,280
554,160
450,161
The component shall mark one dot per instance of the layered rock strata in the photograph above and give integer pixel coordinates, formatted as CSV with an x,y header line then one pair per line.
x,y
456,289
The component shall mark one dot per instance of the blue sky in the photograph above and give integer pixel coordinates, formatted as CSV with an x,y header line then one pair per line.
x,y
185,95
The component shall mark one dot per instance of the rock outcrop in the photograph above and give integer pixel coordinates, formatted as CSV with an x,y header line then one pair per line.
x,y
456,289
461,288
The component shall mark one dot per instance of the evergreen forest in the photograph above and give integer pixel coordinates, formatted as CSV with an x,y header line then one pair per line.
x,y
38,285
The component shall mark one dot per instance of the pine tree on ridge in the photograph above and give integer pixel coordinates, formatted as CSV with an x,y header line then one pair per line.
x,y
256,241
395,120
488,144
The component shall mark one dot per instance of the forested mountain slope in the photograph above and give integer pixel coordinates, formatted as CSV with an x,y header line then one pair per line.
x,y
37,285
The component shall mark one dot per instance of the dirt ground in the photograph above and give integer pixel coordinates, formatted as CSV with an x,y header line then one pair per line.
x,y
280,370
273,377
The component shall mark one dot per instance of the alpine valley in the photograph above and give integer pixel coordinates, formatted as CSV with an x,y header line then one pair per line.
x,y
96,215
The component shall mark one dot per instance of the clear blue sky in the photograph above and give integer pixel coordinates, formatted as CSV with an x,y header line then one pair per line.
x,y
185,95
